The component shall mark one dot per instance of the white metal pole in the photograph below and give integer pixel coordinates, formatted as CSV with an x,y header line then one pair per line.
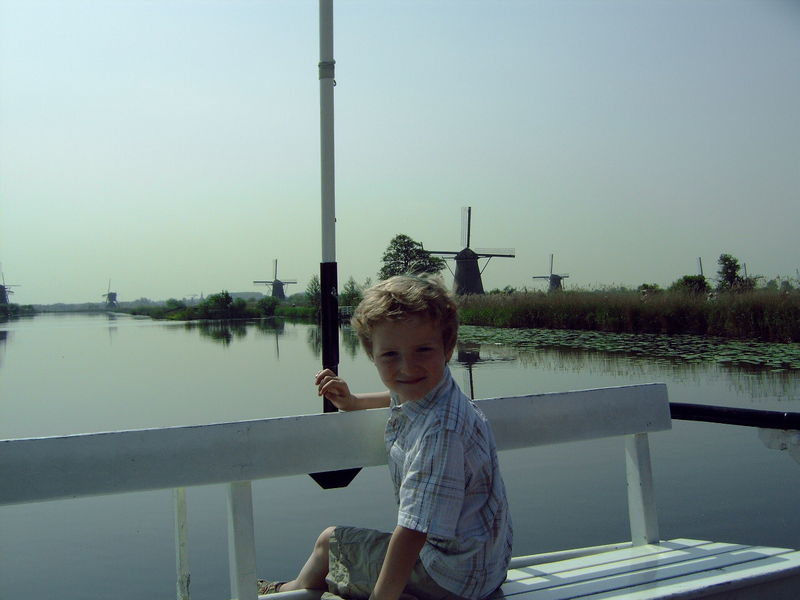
x,y
326,84
241,541
328,277
329,286
181,544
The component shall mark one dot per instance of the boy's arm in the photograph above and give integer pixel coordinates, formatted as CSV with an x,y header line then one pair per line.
x,y
404,547
335,389
371,400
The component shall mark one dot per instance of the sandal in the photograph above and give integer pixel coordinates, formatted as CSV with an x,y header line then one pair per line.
x,y
268,587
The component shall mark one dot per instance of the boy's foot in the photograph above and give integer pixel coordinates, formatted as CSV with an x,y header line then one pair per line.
x,y
268,587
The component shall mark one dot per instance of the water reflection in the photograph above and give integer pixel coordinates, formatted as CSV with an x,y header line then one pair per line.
x,y
222,332
314,340
755,384
274,328
3,338
350,341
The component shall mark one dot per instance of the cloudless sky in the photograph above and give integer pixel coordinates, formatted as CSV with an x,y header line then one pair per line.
x,y
172,146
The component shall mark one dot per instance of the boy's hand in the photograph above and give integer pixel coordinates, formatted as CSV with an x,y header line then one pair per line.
x,y
335,389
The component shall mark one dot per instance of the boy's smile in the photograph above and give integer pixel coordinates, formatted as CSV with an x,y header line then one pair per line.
x,y
410,356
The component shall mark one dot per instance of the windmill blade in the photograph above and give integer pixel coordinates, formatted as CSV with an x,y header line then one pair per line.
x,y
466,221
275,269
264,282
445,253
504,252
285,281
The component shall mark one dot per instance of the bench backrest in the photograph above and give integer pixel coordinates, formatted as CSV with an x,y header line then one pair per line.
x,y
236,453
39,469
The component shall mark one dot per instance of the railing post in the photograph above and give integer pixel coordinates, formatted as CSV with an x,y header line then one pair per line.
x,y
241,541
641,494
181,545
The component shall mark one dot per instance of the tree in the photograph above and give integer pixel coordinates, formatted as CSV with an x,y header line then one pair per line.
x,y
649,288
173,304
728,272
691,284
266,306
404,256
219,303
351,293
314,292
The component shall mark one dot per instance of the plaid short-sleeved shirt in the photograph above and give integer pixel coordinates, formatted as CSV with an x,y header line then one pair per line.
x,y
443,463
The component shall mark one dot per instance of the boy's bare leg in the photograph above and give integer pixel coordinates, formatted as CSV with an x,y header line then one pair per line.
x,y
312,575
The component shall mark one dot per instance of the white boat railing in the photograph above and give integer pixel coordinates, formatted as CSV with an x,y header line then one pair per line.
x,y
52,468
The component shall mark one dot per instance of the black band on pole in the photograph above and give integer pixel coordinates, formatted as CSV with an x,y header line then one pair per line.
x,y
746,417
327,69
329,321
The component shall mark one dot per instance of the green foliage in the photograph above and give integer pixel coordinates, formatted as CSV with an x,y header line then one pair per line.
x,y
649,288
296,312
404,256
298,298
691,284
215,307
728,273
506,290
764,315
173,304
10,310
266,306
314,293
351,293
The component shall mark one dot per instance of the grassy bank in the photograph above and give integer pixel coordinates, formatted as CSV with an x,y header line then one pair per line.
x,y
222,307
763,315
12,311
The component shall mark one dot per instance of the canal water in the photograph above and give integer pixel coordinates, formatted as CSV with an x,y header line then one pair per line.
x,y
68,374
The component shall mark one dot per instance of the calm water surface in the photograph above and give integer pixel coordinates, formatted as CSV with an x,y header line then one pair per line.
x,y
66,374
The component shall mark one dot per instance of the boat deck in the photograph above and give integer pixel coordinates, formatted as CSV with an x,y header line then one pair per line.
x,y
33,470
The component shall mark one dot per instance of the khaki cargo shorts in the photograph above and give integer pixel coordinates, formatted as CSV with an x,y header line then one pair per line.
x,y
356,557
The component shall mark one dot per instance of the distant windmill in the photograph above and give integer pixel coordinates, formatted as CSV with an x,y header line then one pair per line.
x,y
5,292
111,297
553,279
277,284
467,278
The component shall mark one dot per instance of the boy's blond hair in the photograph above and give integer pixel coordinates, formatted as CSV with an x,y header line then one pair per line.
x,y
404,296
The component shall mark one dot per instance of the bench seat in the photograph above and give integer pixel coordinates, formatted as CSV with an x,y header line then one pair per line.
x,y
679,568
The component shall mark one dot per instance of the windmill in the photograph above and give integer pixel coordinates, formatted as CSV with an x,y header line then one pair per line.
x,y
5,292
278,285
467,278
111,297
553,279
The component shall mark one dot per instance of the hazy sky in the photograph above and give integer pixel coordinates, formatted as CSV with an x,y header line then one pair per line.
x,y
172,146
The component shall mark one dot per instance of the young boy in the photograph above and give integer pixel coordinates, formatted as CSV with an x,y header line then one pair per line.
x,y
453,534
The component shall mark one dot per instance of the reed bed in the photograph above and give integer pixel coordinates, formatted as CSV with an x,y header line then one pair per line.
x,y
762,314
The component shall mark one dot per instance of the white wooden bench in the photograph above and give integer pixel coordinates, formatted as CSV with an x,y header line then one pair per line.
x,y
236,453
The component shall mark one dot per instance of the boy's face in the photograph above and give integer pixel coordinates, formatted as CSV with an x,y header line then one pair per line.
x,y
410,356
